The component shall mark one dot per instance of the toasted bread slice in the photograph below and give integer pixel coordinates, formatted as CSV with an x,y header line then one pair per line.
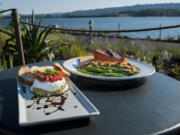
x,y
34,69
58,67
25,75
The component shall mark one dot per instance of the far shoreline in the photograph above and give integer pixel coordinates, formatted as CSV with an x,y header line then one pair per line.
x,y
28,17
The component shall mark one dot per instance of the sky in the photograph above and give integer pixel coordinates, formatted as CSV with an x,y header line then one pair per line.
x,y
53,6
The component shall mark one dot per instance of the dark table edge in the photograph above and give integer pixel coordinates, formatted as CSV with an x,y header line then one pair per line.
x,y
174,129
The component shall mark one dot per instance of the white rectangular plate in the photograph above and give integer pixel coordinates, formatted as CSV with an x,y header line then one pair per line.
x,y
41,111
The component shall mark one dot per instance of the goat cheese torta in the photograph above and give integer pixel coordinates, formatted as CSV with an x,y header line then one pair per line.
x,y
47,80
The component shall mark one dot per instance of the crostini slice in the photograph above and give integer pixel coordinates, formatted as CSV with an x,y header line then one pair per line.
x,y
34,69
58,67
25,76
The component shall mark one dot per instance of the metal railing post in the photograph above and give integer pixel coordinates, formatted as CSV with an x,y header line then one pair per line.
x,y
118,26
160,33
17,31
90,31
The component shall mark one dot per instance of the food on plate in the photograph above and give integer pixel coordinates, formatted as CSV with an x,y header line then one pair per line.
x,y
108,56
107,63
46,80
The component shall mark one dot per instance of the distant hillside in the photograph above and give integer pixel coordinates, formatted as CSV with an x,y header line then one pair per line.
x,y
166,9
138,13
117,10
151,12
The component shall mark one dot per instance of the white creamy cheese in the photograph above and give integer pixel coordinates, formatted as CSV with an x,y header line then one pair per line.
x,y
48,86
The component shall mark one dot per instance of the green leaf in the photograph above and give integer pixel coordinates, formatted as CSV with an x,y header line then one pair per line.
x,y
7,32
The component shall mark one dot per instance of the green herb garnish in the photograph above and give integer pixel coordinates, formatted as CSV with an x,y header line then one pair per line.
x,y
50,72
40,76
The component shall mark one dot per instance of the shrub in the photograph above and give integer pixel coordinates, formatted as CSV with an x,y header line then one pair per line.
x,y
3,38
148,37
170,38
36,47
70,51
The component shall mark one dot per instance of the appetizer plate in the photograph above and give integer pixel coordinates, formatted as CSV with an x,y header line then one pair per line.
x,y
144,70
70,105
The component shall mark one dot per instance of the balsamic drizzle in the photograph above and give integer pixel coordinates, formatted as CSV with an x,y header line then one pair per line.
x,y
54,102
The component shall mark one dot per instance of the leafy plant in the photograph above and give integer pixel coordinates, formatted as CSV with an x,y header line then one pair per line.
x,y
170,38
36,47
75,50
3,63
176,69
148,37
9,50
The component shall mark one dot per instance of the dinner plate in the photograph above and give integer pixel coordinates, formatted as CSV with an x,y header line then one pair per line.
x,y
35,111
144,70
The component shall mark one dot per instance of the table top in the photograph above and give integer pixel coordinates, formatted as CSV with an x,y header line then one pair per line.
x,y
146,106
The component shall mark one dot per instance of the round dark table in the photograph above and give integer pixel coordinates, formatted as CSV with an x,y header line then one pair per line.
x,y
148,106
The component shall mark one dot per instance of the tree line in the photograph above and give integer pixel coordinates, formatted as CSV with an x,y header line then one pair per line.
x,y
153,12
139,13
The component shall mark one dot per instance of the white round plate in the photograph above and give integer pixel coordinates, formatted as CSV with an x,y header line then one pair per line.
x,y
144,70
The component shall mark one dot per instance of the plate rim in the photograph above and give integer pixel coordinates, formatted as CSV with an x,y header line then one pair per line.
x,y
111,78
